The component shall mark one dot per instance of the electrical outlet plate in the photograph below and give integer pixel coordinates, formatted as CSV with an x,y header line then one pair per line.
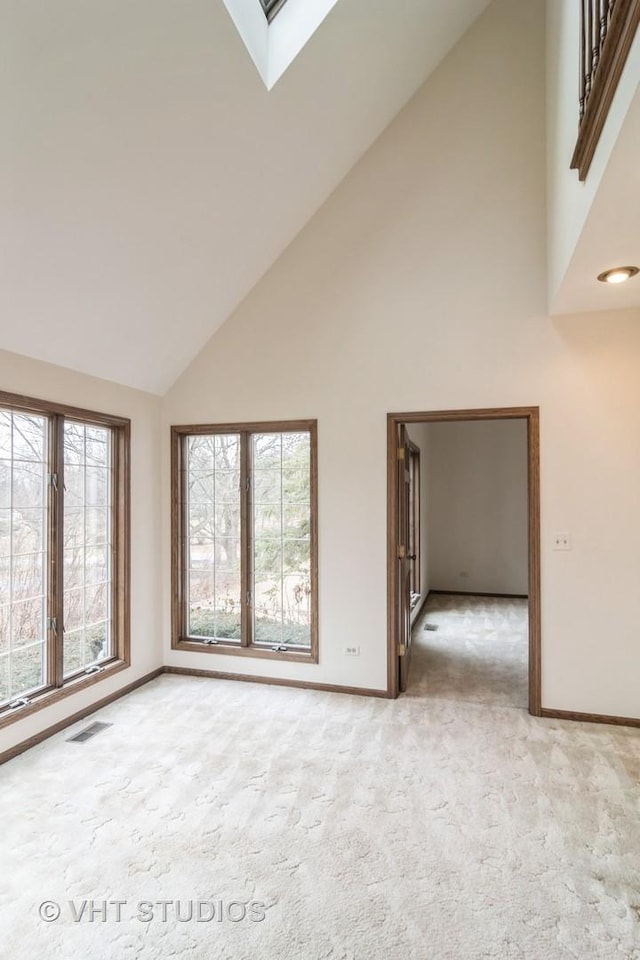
x,y
562,541
352,651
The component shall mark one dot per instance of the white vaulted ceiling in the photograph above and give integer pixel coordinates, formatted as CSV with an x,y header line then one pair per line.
x,y
147,177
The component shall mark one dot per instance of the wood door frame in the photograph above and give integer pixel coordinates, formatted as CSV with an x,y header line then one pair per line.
x,y
532,417
415,514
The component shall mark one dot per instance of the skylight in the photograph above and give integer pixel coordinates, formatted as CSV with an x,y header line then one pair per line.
x,y
271,7
274,41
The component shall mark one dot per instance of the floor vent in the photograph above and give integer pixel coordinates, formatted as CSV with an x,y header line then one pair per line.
x,y
431,626
89,732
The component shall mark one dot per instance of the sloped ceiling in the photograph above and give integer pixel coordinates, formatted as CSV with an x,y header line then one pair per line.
x,y
147,177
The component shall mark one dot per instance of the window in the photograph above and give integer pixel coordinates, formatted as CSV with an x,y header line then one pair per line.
x,y
244,537
271,7
63,551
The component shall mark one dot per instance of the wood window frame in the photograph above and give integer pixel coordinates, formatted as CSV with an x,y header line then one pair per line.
x,y
246,648
56,686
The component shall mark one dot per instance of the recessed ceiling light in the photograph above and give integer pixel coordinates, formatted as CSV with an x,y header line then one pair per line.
x,y
618,274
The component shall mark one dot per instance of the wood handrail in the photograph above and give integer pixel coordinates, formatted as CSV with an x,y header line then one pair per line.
x,y
607,31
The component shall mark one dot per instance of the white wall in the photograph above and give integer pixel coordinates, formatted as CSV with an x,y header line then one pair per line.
x,y
478,512
419,434
569,200
421,285
47,382
432,248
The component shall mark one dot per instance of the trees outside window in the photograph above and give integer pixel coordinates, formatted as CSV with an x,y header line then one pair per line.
x,y
244,535
63,550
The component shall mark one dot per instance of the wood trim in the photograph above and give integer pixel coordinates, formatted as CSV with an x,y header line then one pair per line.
x,y
535,620
50,695
480,593
392,554
122,564
178,671
177,524
179,638
531,415
415,468
56,686
121,526
277,682
55,555
297,655
78,715
257,426
620,36
481,413
574,716
12,752
18,401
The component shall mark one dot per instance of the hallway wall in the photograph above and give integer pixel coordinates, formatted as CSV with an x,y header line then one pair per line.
x,y
478,514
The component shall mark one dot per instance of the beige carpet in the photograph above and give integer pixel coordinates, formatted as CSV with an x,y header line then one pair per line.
x,y
478,651
448,825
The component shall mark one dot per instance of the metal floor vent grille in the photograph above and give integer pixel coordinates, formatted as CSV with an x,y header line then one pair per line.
x,y
431,626
89,732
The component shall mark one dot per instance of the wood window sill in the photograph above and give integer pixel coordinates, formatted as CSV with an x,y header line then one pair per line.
x,y
295,655
51,695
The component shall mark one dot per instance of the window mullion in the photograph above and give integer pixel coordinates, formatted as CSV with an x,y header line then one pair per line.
x,y
55,553
245,540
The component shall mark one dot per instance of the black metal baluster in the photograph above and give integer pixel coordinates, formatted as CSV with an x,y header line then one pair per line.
x,y
588,49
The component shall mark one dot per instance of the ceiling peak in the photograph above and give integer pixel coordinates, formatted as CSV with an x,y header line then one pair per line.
x,y
274,41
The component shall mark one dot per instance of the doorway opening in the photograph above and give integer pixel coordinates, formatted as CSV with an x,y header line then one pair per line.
x,y
413,604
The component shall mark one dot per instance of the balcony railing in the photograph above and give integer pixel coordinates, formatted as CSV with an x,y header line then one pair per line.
x,y
608,28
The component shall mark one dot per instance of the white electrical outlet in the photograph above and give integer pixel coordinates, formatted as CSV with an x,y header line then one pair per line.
x,y
464,574
352,651
562,541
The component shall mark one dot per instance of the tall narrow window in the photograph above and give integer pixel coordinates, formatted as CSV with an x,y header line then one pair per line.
x,y
63,550
281,521
244,529
213,536
23,540
88,543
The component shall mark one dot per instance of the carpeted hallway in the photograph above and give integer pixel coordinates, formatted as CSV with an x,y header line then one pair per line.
x,y
447,825
475,650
